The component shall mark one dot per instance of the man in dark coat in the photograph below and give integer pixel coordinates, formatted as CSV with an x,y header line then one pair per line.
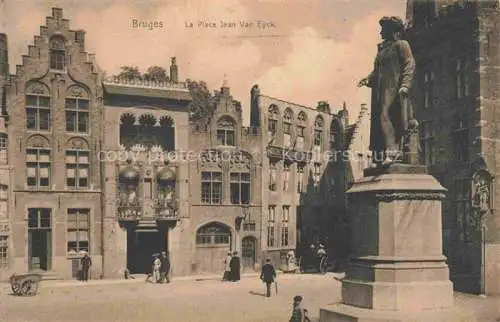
x,y
267,275
390,81
235,268
86,263
164,268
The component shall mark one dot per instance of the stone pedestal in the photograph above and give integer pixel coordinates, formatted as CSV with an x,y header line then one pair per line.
x,y
397,270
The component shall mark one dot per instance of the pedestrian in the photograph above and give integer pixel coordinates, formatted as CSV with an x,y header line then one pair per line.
x,y
268,275
234,264
227,267
299,314
86,263
165,267
156,269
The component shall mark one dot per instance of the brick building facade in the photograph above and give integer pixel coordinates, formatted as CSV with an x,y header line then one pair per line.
x,y
455,45
118,168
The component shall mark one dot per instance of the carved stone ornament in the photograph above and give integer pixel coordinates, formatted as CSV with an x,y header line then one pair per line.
x,y
78,143
390,196
37,88
77,91
38,141
225,124
482,192
288,115
238,160
211,159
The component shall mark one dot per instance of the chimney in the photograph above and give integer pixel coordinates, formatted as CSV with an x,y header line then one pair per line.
x,y
225,87
80,38
174,72
4,56
254,107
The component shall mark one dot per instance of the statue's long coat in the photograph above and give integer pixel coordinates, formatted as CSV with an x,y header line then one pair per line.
x,y
394,68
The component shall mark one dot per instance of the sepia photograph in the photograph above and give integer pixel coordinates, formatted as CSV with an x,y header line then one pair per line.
x,y
249,160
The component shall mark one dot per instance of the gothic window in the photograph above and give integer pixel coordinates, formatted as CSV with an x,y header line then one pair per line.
x,y
77,168
461,78
284,226
300,177
271,231
428,88
57,53
213,234
78,231
318,131
225,132
37,112
426,141
273,116
460,140
211,187
240,188
287,127
77,115
38,167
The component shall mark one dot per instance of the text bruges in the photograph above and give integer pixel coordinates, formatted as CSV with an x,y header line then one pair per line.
x,y
150,25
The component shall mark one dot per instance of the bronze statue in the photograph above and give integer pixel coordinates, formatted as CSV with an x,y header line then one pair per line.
x,y
392,125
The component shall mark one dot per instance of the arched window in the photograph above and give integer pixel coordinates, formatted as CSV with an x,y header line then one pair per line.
x,y
57,53
318,131
77,110
302,120
225,132
273,115
213,234
287,127
37,107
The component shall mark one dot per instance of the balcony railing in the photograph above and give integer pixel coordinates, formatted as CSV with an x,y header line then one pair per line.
x,y
129,210
166,209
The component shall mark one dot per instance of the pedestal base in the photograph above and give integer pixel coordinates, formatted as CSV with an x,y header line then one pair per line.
x,y
347,313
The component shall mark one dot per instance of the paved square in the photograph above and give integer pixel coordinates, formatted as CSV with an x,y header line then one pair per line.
x,y
187,300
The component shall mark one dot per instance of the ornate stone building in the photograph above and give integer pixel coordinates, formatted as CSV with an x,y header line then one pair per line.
x,y
307,165
54,107
455,44
117,168
145,181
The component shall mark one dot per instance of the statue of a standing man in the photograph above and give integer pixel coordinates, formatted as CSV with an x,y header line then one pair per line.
x,y
390,81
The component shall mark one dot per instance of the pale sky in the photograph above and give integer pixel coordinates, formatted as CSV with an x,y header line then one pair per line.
x,y
316,50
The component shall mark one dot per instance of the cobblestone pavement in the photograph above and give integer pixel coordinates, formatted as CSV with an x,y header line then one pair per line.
x,y
188,300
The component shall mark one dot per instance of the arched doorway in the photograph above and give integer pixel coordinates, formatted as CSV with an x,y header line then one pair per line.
x,y
213,242
248,249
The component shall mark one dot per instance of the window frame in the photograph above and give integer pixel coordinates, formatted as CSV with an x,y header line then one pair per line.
x,y
77,228
77,167
34,113
38,167
239,180
212,183
78,112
